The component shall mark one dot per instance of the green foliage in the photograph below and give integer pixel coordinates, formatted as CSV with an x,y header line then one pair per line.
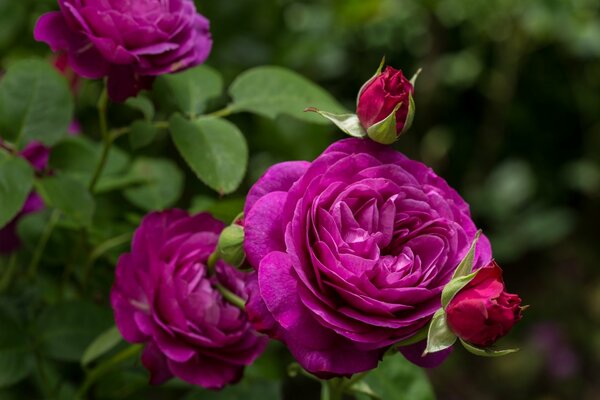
x,y
270,91
65,330
69,196
16,180
215,150
16,357
397,378
35,103
191,90
161,183
105,342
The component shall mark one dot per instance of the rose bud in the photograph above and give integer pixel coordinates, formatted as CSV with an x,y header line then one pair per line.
x,y
165,297
130,42
385,106
482,312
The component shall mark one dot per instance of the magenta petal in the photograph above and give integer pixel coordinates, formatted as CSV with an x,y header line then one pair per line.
x,y
263,232
156,363
123,83
209,373
414,354
280,177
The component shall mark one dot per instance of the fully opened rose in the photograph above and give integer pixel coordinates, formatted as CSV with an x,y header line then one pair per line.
x,y
128,41
164,296
352,252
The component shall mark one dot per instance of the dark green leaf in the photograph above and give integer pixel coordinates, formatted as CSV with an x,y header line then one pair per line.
x,y
16,180
142,104
16,358
105,342
191,89
65,330
397,378
163,183
142,134
68,195
35,103
78,157
248,389
270,91
215,150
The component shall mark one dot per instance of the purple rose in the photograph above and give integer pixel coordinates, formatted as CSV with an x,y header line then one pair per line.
x,y
352,252
130,41
37,154
163,296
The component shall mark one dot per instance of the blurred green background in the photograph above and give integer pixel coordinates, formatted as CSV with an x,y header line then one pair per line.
x,y
508,111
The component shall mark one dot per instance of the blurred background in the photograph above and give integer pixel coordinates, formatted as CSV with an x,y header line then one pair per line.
x,y
508,111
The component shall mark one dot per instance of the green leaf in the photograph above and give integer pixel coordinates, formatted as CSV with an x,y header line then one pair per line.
x,y
348,123
384,131
488,352
455,286
16,358
78,156
67,329
16,180
440,336
142,134
70,196
192,89
163,183
465,267
142,104
105,342
398,378
248,389
13,15
35,103
270,91
215,150
224,209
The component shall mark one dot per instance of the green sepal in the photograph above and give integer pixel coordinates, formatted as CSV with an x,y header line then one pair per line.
x,y
230,245
362,387
410,116
413,80
487,352
417,337
466,265
384,131
455,286
348,123
377,73
440,336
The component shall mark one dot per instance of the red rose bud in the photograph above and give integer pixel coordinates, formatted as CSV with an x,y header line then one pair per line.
x,y
482,312
385,106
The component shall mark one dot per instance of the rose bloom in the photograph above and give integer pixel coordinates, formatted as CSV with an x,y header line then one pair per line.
x,y
37,154
381,95
130,41
482,312
352,252
164,297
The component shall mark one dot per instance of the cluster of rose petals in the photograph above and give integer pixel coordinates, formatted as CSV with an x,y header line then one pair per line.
x,y
130,41
37,154
381,95
352,252
482,312
164,297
